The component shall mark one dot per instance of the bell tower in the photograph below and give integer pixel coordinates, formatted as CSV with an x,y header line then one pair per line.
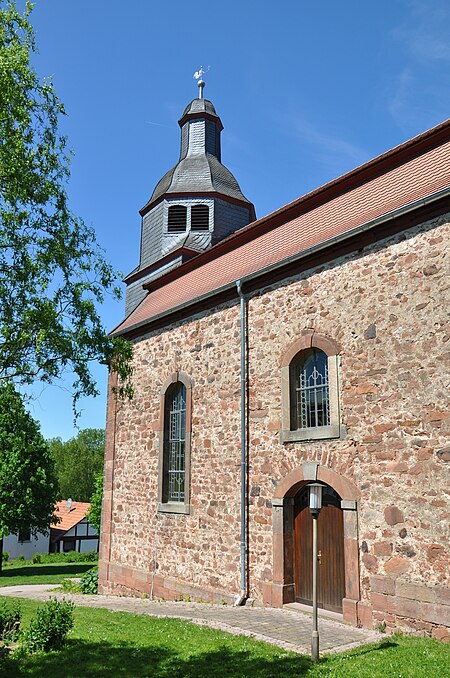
x,y
196,203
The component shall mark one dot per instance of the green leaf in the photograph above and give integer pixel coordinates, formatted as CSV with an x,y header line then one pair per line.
x,y
53,275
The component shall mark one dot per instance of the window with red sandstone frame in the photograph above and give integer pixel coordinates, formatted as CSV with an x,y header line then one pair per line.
x,y
310,390
310,393
175,444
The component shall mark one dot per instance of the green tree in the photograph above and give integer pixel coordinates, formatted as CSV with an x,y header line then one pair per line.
x,y
28,483
52,272
95,512
77,462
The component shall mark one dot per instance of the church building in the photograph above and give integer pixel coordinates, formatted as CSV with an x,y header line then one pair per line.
x,y
308,346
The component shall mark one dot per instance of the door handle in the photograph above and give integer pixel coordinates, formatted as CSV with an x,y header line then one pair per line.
x,y
319,557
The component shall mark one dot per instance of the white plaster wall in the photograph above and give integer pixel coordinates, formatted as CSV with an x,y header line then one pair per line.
x,y
15,548
89,545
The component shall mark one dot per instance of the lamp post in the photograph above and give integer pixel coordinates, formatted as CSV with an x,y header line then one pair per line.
x,y
315,504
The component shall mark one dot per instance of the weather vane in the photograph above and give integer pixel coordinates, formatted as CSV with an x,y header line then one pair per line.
x,y
198,75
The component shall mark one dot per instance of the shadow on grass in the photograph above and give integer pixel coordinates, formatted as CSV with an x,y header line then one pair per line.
x,y
382,645
44,570
359,652
81,659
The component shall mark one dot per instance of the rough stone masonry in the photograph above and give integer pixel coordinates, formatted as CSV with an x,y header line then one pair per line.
x,y
386,307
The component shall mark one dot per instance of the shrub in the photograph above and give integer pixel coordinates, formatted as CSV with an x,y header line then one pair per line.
x,y
45,558
90,556
70,586
10,621
89,581
49,628
5,556
71,557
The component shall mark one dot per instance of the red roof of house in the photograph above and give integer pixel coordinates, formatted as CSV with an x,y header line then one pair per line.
x,y
70,516
403,175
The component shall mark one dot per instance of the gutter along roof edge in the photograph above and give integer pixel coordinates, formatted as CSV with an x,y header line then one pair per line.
x,y
434,197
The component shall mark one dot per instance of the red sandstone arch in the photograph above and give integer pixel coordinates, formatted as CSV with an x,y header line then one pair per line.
x,y
309,339
173,378
290,485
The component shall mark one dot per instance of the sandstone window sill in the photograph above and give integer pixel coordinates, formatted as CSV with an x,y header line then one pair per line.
x,y
173,507
319,433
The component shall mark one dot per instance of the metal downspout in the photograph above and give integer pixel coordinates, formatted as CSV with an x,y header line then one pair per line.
x,y
240,600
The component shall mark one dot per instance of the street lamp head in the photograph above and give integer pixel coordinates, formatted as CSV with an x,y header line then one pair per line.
x,y
315,498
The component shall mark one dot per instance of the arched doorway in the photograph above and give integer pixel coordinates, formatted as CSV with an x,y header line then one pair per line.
x,y
282,588
330,544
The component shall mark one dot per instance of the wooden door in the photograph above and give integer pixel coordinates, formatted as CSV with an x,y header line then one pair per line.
x,y
330,544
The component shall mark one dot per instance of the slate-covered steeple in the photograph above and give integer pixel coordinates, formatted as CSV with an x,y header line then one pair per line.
x,y
195,204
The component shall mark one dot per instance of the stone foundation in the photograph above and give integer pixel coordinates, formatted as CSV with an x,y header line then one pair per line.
x,y
120,580
411,606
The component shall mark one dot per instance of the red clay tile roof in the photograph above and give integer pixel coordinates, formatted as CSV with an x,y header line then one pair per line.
x,y
408,173
72,516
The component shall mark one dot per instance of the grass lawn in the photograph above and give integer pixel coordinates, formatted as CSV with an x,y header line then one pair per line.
x,y
105,643
17,574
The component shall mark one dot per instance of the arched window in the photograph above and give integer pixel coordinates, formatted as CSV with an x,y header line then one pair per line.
x,y
175,443
310,395
175,438
309,389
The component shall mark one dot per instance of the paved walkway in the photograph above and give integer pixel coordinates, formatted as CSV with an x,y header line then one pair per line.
x,y
285,628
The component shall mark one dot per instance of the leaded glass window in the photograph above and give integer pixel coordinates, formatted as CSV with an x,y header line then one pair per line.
x,y
310,401
175,443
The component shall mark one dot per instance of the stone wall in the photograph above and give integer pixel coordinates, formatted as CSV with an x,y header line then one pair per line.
x,y
387,308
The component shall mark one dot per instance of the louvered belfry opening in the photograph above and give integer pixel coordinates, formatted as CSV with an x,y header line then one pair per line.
x,y
177,219
200,218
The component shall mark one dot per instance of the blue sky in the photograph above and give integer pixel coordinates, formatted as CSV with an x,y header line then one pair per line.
x,y
306,91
